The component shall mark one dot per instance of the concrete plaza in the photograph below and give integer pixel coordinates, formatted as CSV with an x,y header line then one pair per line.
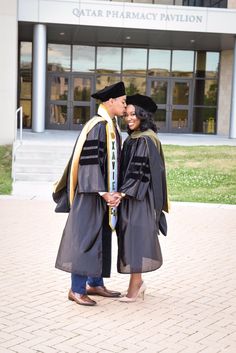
x,y
189,306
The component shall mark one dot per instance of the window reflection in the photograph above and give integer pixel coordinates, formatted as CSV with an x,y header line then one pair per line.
x,y
179,119
159,62
206,92
160,119
159,91
27,117
81,115
104,80
182,63
58,114
108,60
25,55
134,85
180,93
207,64
59,88
82,89
204,120
134,61
59,57
25,82
83,58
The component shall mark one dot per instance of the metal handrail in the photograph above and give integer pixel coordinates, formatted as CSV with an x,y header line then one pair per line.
x,y
15,146
21,123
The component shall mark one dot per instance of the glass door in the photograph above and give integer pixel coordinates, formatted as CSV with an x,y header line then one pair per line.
x,y
69,101
57,116
158,90
81,104
173,98
180,105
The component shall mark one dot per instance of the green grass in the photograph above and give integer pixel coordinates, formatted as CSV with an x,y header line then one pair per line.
x,y
201,173
5,170
194,174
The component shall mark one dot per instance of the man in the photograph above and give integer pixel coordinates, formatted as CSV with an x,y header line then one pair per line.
x,y
85,249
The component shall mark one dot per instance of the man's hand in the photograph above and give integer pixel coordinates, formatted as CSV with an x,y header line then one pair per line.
x,y
112,198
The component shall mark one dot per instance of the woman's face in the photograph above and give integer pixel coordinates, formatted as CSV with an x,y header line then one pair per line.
x,y
131,119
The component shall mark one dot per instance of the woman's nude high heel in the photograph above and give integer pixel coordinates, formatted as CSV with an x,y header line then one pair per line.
x,y
140,293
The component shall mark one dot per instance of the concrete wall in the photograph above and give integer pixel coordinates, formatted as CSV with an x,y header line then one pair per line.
x,y
8,65
226,67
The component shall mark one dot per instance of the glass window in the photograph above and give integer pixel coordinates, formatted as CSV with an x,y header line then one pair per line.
x,y
134,61
83,58
204,120
25,83
25,55
160,119
207,64
27,117
182,63
206,92
59,57
58,114
82,89
159,62
81,115
180,93
104,80
159,91
135,85
108,60
59,88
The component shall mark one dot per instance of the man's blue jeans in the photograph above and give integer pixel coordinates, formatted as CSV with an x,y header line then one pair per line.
x,y
78,283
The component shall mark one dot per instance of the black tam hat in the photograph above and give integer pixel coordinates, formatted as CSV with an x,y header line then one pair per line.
x,y
113,91
144,102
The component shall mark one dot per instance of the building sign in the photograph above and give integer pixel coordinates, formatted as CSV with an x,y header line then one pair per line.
x,y
128,15
138,15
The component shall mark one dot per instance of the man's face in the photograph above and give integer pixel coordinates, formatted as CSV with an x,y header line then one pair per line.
x,y
119,105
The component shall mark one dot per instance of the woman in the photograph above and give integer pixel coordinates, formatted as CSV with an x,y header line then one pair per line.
x,y
143,188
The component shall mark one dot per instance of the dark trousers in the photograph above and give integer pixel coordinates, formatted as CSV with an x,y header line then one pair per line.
x,y
78,283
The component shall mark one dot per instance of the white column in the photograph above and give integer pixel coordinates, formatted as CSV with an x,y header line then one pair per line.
x,y
232,129
39,77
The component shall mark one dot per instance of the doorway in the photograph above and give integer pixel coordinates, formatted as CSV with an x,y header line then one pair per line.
x,y
69,103
173,97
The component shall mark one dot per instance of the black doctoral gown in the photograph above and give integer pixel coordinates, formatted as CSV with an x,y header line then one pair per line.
x,y
144,183
85,247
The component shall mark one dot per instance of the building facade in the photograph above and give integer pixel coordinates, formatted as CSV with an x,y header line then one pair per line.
x,y
58,52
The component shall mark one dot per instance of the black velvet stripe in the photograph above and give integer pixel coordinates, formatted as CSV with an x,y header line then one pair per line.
x,y
92,143
136,167
140,159
88,161
136,176
89,152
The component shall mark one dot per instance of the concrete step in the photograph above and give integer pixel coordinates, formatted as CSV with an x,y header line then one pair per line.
x,y
28,176
38,168
40,162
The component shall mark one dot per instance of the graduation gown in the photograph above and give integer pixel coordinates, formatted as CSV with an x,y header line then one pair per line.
x,y
140,212
85,247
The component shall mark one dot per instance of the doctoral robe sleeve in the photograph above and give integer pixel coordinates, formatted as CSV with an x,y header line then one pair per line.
x,y
137,176
92,173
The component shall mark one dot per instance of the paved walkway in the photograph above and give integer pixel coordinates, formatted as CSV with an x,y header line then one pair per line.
x,y
189,307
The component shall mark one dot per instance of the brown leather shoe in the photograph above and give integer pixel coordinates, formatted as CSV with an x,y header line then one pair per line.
x,y
102,291
81,299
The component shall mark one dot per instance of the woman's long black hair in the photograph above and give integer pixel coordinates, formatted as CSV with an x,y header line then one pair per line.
x,y
146,120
